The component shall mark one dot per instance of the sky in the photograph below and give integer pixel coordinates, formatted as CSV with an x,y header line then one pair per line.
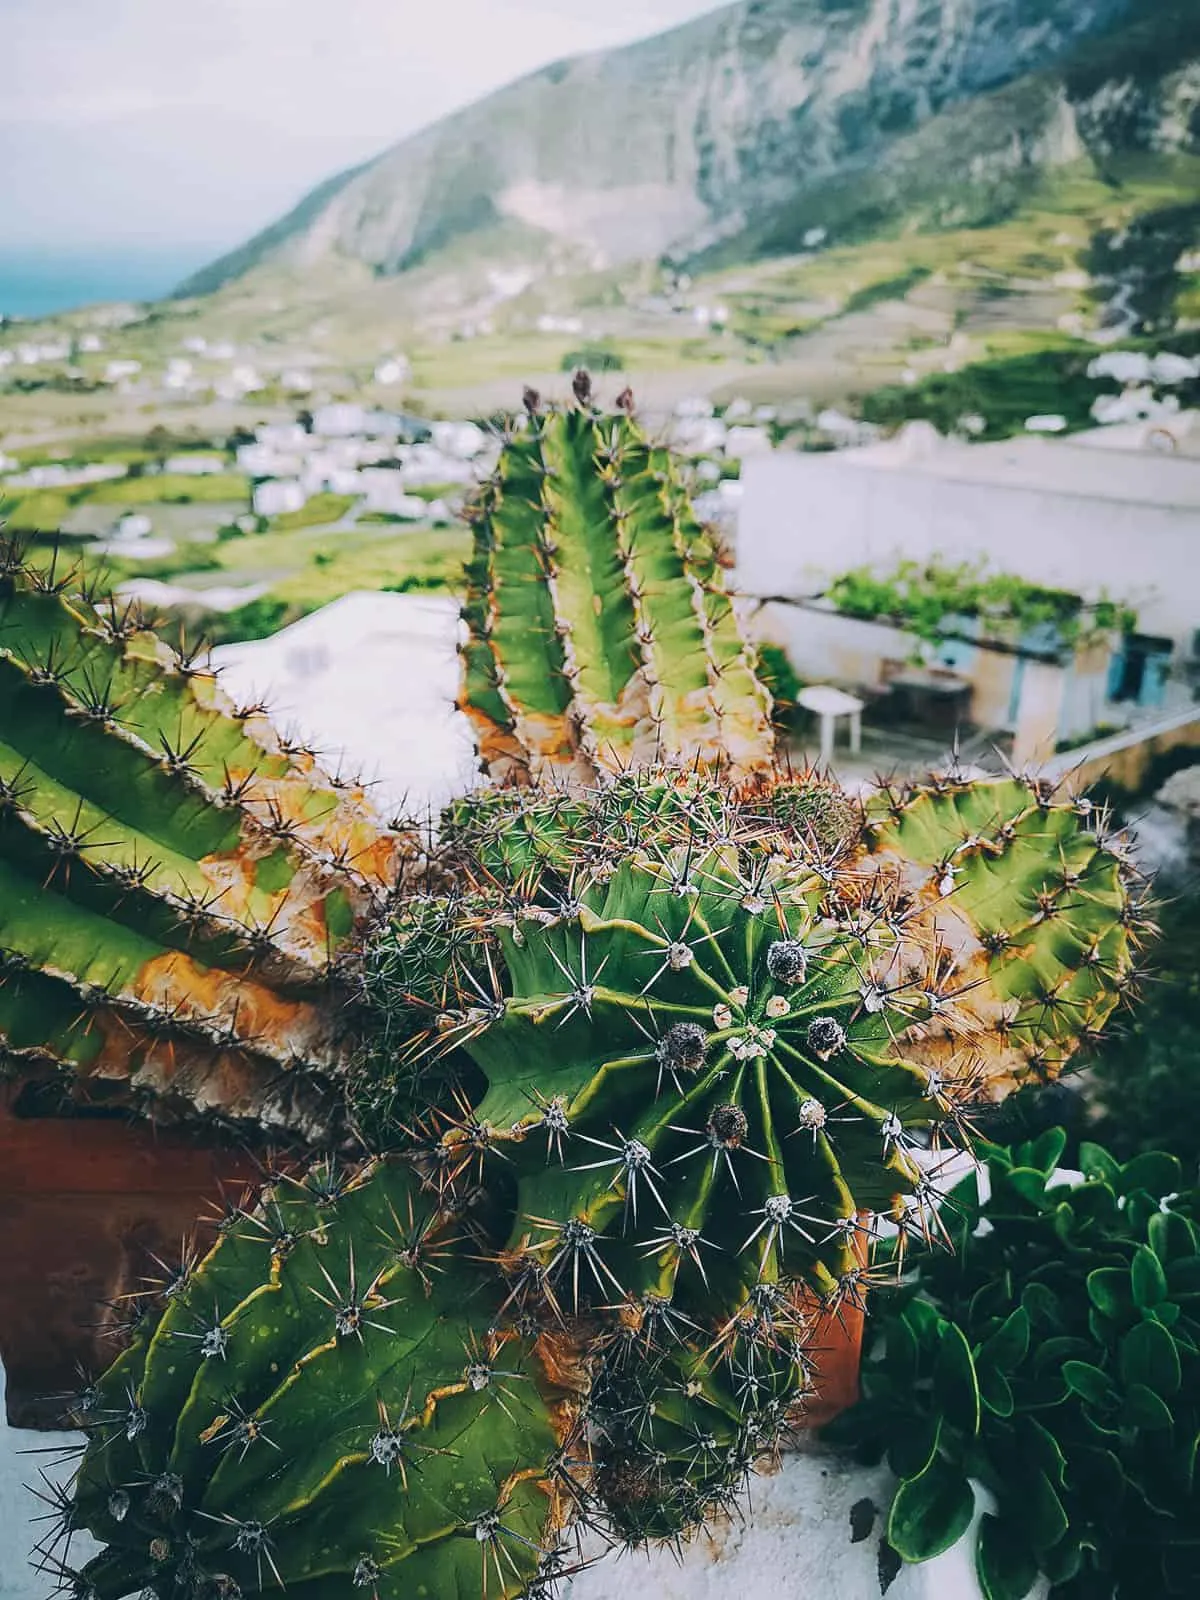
x,y
180,127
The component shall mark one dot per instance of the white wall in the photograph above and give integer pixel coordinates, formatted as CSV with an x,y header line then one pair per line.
x,y
805,518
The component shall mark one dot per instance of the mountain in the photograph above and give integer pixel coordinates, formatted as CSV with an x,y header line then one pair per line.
x,y
755,124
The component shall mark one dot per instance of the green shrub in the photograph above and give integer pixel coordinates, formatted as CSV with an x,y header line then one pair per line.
x,y
1053,1357
1147,1077
593,358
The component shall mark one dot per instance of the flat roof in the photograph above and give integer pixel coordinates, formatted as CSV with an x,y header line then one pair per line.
x,y
1047,465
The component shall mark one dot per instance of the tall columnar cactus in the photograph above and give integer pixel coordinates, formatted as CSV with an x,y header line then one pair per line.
x,y
325,1404
601,633
176,882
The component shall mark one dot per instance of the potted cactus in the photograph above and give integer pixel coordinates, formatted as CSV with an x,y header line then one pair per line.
x,y
637,1050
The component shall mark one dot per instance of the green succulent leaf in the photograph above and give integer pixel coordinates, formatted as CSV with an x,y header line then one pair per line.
x,y
930,1513
1144,1409
1148,1278
955,1381
1096,1163
1044,1517
1004,1564
1149,1356
1154,1171
1110,1289
914,1445
1091,1383
1009,1345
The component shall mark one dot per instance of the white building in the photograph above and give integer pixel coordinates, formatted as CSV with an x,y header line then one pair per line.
x,y
116,371
55,476
699,436
424,464
1097,523
385,493
279,496
339,420
282,435
246,379
264,461
462,440
393,370
195,465
743,442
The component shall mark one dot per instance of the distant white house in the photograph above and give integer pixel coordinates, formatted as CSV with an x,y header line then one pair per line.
x,y
53,475
195,465
339,421
743,442
90,344
264,461
462,440
178,374
699,436
282,435
121,368
295,380
385,493
548,323
279,496
133,525
246,379
424,464
393,370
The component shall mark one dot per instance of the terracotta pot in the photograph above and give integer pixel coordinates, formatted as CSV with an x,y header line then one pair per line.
x,y
85,1206
836,1353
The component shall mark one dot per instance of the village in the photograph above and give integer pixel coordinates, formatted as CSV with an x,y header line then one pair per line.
x,y
316,491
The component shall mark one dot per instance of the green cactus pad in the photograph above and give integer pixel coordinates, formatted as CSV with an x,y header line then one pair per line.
x,y
323,1403
174,882
600,632
1035,910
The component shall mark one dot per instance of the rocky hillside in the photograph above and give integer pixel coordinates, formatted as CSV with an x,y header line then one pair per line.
x,y
757,123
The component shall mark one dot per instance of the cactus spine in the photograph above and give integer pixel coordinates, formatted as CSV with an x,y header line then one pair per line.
x,y
715,1046
660,1046
601,634
323,1404
175,882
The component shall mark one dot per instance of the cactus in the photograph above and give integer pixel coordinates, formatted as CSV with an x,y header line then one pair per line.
x,y
665,1041
176,882
714,1046
600,631
1034,901
324,1403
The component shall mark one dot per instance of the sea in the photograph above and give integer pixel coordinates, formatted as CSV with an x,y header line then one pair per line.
x,y
41,282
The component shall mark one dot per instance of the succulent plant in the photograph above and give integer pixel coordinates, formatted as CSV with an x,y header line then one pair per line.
x,y
660,1030
600,631
1055,1359
324,1404
1037,904
176,881
715,1047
